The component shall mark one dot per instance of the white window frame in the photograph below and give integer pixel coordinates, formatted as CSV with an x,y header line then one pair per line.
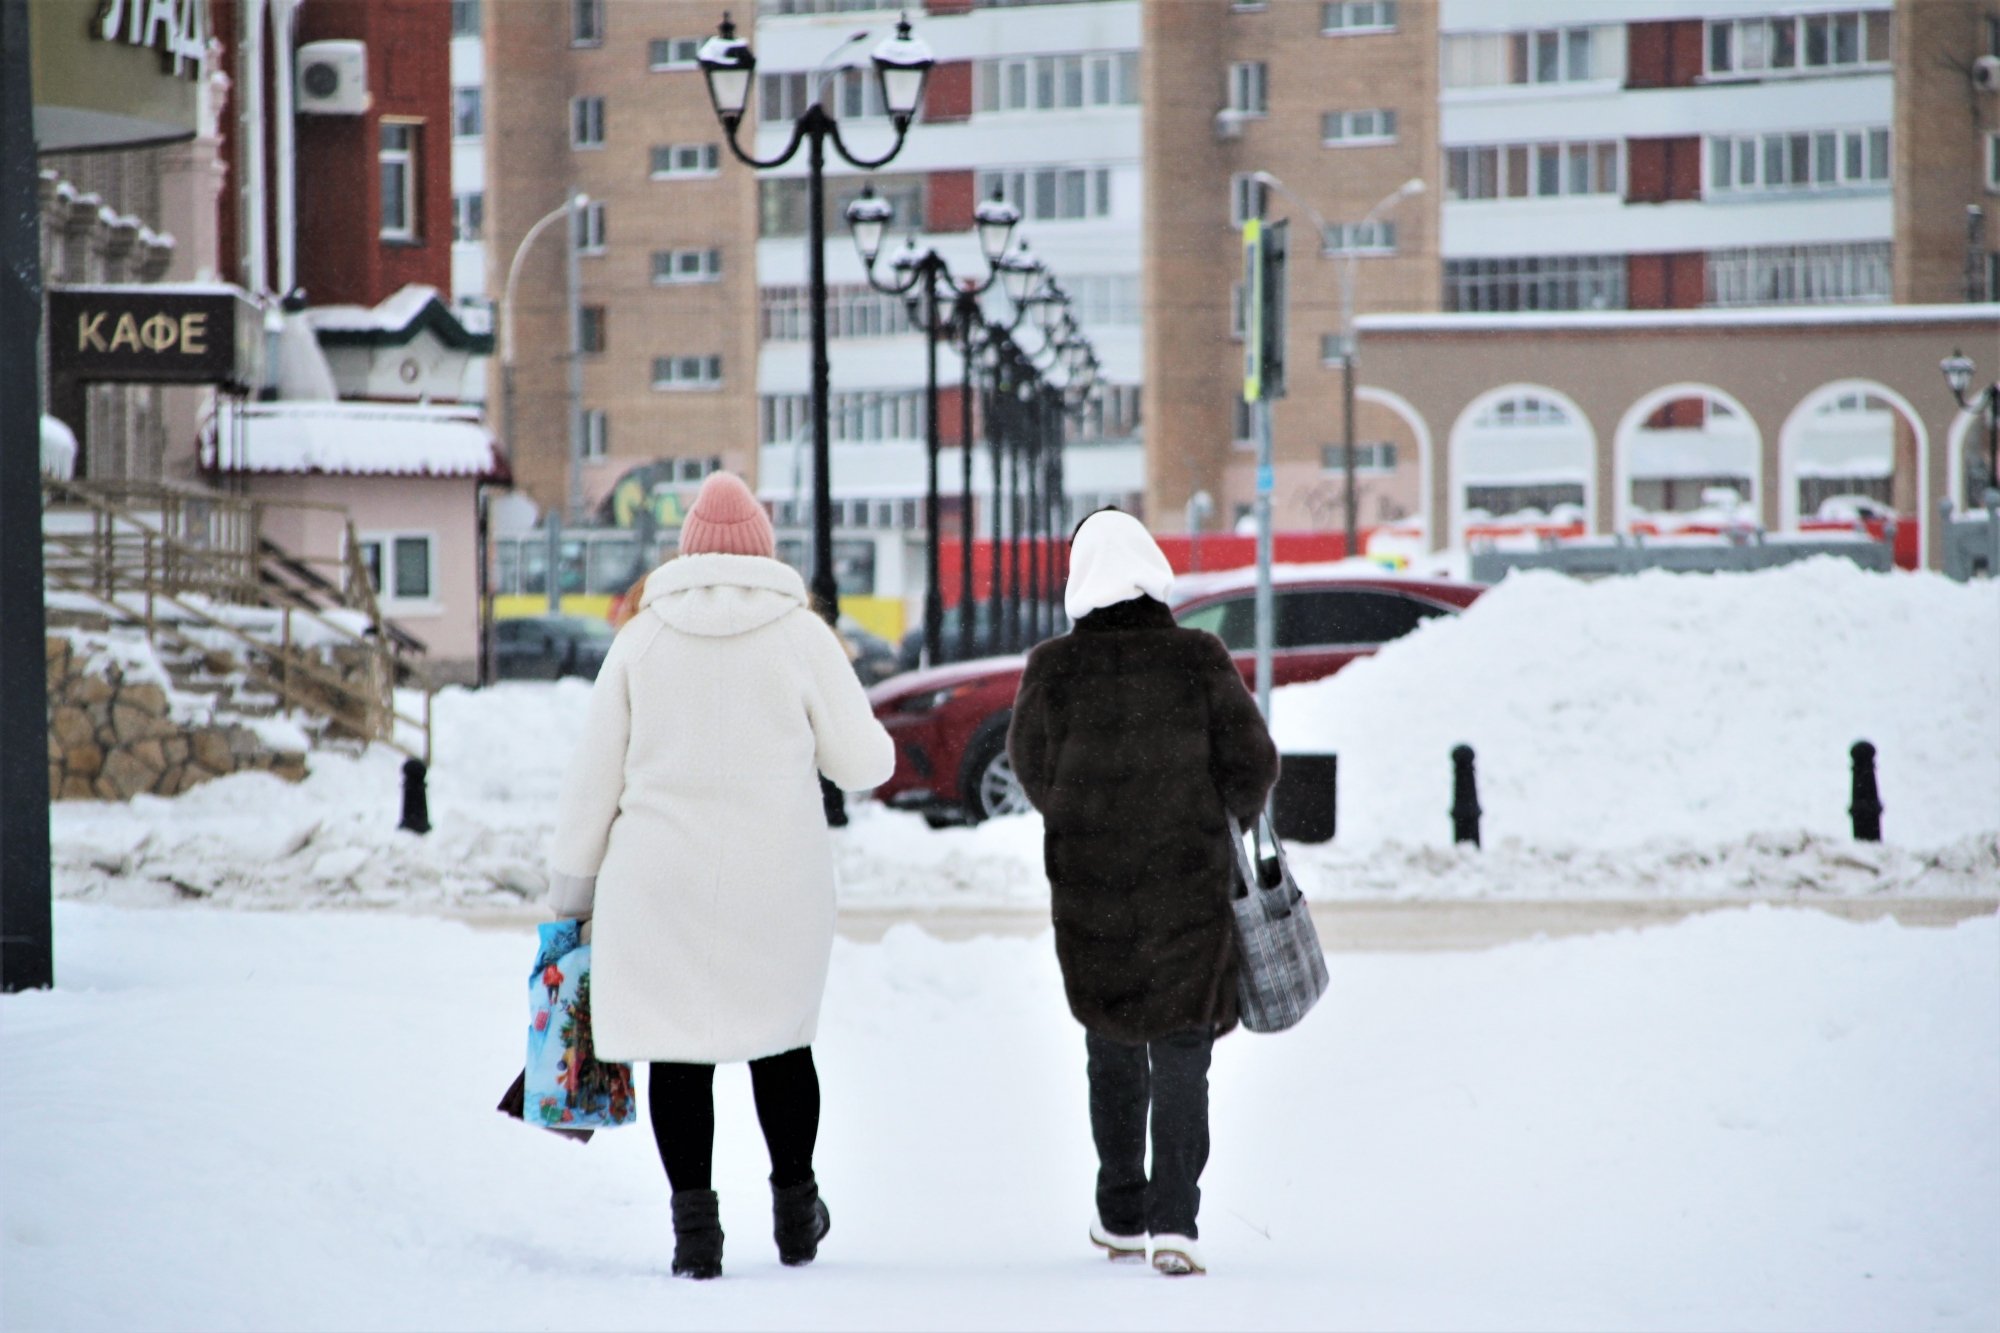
x,y
591,229
460,27
1488,62
1356,18
673,268
684,161
1471,162
1993,162
586,22
680,53
1365,128
468,96
596,434
468,217
385,544
586,122
1044,194
1242,207
403,159
1249,88
1372,458
1359,238
1746,161
1736,38
687,374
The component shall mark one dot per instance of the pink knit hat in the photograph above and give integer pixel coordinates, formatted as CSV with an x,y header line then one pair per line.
x,y
727,520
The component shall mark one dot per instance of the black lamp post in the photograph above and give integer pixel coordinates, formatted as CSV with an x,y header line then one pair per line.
x,y
924,278
1958,370
902,65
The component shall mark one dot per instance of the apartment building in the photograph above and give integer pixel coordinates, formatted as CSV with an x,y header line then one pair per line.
x,y
468,155
606,99
1040,104
1720,154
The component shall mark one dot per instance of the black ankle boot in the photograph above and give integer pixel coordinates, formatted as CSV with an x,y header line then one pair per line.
x,y
799,1221
697,1234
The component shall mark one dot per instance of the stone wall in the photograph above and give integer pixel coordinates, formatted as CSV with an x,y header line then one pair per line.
x,y
111,738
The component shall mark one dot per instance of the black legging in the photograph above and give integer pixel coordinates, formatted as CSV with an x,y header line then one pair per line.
x,y
681,1100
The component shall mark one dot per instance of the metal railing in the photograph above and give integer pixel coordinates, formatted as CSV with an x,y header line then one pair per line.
x,y
169,558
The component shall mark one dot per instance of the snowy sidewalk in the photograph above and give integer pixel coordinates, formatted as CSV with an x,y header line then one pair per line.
x,y
1751,1119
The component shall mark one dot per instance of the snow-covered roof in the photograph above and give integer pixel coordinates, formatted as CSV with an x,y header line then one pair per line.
x,y
408,312
354,439
1762,317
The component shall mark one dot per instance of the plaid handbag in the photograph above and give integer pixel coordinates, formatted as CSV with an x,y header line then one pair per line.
x,y
1284,969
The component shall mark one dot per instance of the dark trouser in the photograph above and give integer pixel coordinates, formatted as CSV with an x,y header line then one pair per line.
x,y
1169,1077
681,1100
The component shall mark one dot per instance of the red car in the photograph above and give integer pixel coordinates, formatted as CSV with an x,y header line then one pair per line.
x,y
950,722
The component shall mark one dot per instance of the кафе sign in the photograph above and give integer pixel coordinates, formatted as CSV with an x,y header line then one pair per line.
x,y
168,334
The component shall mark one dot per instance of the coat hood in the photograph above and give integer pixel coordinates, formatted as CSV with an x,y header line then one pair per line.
x,y
1112,559
722,595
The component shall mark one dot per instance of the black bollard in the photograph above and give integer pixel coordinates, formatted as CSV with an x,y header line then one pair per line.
x,y
1304,802
1866,807
416,803
1464,797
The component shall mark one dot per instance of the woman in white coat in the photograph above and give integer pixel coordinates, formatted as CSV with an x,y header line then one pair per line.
x,y
692,832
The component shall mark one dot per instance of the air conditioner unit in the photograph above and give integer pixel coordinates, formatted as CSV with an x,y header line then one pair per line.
x,y
1229,124
1986,74
333,78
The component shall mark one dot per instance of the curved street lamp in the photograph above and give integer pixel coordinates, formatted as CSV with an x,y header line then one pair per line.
x,y
924,278
1958,371
902,66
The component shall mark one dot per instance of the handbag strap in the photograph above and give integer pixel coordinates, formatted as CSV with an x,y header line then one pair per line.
x,y
1246,862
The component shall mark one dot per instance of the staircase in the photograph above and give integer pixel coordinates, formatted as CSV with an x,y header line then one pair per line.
x,y
231,614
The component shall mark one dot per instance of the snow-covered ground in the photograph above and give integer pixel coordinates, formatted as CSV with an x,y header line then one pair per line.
x,y
1756,1119
1658,736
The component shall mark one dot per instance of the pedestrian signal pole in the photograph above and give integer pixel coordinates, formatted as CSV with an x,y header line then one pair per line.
x,y
1263,381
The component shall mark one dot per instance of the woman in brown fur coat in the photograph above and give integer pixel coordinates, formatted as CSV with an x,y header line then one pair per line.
x,y
1135,738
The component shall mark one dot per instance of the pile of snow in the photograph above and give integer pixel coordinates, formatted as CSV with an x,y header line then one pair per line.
x,y
1703,708
1755,1119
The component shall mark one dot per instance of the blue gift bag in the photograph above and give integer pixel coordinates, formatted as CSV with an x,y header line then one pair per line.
x,y
566,1086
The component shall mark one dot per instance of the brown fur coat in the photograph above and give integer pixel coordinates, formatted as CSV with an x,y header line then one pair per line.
x,y
1133,736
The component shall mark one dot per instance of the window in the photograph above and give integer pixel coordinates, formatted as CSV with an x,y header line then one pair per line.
x,y
853,310
1051,194
1099,299
400,564
1326,618
1536,282
1357,16
468,118
398,157
866,417
1249,88
685,159
586,122
1819,160
782,202
1248,198
1359,238
586,22
1993,161
596,432
672,52
1378,457
1542,170
1799,274
468,216
590,330
672,266
590,229
465,18
1535,56
687,372
1797,44
1346,128
1056,82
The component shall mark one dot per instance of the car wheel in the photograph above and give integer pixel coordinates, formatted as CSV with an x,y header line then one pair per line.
x,y
989,784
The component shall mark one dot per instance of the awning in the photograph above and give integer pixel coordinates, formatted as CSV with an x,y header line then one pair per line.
x,y
353,439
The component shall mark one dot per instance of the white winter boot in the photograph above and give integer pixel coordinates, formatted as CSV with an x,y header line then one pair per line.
x,y
1119,1249
1177,1256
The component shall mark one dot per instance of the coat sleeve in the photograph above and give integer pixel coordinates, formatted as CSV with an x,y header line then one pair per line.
x,y
1028,734
1242,756
595,782
852,749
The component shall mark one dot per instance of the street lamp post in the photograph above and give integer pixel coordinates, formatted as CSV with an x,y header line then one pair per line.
x,y
902,66
1958,371
921,278
1351,251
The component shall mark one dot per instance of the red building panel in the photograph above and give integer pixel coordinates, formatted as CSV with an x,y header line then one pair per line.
x,y
949,201
948,94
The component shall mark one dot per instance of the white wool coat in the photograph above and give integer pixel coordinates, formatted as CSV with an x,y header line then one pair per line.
x,y
691,825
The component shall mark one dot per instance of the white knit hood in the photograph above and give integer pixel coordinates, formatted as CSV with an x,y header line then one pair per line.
x,y
719,596
1113,559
